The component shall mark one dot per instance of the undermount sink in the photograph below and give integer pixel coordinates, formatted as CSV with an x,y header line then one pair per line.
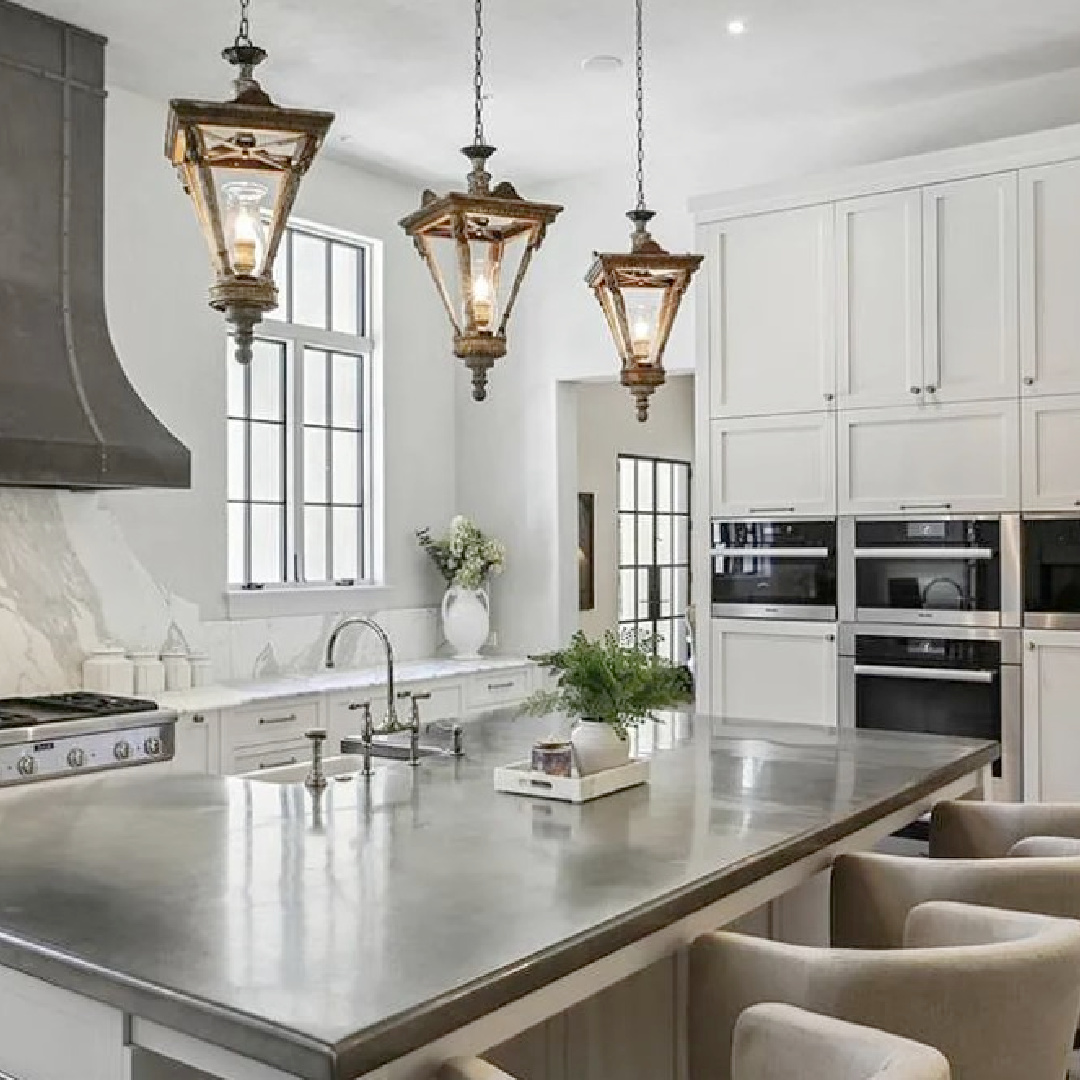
x,y
337,770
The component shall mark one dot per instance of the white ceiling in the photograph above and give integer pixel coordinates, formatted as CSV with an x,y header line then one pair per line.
x,y
398,72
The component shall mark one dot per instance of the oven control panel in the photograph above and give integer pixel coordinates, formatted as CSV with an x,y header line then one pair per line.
x,y
67,755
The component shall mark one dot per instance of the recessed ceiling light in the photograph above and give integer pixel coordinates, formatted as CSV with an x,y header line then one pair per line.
x,y
599,65
736,27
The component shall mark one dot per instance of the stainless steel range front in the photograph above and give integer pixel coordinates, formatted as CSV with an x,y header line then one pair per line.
x,y
64,734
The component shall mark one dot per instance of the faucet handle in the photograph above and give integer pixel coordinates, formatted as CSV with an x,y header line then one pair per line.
x,y
316,735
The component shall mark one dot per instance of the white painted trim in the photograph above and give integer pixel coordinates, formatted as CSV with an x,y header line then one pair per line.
x,y
283,600
1002,155
214,1060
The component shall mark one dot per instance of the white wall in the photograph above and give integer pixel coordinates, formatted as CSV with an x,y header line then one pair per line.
x,y
511,450
607,426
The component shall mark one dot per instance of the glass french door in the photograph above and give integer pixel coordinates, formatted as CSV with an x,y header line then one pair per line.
x,y
653,505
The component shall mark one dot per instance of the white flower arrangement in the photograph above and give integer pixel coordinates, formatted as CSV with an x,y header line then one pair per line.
x,y
465,556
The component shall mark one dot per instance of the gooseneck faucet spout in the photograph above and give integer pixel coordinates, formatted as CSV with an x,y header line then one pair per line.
x,y
371,624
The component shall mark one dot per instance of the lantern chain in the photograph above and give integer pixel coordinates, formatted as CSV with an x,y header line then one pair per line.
x,y
243,35
640,104
478,77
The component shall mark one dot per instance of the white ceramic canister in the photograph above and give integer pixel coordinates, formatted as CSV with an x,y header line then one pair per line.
x,y
107,670
202,669
177,669
149,673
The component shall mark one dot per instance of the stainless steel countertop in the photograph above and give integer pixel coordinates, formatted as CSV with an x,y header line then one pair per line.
x,y
326,941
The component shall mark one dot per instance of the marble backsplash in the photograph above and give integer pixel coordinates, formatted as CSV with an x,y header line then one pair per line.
x,y
69,581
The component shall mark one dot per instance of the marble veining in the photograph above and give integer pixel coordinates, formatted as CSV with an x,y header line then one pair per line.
x,y
325,936
70,581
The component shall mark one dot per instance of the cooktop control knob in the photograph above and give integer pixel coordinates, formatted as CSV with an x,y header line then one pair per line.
x,y
122,750
76,758
152,746
26,766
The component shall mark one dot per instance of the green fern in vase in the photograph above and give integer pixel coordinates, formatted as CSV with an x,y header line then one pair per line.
x,y
614,679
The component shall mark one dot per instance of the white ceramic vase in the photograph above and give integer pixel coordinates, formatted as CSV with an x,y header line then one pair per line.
x,y
466,617
597,747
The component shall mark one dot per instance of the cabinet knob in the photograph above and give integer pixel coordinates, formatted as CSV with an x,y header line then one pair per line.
x,y
916,389
931,389
1029,380
1031,645
829,397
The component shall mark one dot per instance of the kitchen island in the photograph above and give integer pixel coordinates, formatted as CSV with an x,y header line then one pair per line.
x,y
255,931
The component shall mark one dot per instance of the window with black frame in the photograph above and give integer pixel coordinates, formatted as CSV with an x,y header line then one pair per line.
x,y
653,506
300,422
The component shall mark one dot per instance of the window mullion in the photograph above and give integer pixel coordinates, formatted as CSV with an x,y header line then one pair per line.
x,y
294,438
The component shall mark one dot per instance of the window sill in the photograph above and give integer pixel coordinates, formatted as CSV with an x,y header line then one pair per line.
x,y
284,600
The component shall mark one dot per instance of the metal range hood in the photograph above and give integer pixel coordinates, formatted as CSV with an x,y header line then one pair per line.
x,y
68,415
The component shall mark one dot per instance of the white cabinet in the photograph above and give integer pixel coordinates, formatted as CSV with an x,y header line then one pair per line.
x,y
879,263
496,689
951,458
970,282
1050,279
773,467
1051,731
1051,451
198,743
268,735
779,671
771,313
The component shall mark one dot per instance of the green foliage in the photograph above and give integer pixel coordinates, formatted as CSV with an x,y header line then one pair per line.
x,y
465,556
614,679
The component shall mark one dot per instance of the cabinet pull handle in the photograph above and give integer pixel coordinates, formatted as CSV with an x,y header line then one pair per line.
x,y
197,719
501,685
926,506
402,694
771,510
916,389
290,719
276,764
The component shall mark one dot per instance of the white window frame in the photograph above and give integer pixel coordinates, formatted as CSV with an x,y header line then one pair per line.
x,y
298,597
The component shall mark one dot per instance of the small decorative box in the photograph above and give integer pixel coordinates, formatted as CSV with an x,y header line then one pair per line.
x,y
521,779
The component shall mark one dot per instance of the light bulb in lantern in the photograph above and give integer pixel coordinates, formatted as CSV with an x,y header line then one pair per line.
x,y
483,300
640,334
245,231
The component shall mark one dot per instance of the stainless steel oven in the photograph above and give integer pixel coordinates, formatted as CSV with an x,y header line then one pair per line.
x,y
963,681
774,569
949,571
1051,544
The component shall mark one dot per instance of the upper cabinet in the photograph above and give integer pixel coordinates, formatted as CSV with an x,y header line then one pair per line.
x,y
970,289
771,314
879,300
1050,279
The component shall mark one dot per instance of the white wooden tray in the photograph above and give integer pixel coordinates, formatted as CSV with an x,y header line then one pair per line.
x,y
520,779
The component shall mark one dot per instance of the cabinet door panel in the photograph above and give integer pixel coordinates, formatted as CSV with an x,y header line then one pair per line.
x,y
1051,450
1051,734
1049,279
198,744
779,466
879,300
772,338
783,672
962,458
970,281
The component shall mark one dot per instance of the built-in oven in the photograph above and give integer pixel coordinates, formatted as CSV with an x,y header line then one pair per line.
x,y
963,681
774,569
1051,545
950,571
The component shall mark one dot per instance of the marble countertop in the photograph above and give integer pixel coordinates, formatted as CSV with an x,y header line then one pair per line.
x,y
328,937
235,695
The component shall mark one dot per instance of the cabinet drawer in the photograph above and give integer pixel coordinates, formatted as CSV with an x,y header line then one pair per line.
x,y
269,757
275,722
444,703
497,688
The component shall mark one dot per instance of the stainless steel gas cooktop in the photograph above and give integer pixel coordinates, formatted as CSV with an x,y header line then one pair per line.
x,y
63,734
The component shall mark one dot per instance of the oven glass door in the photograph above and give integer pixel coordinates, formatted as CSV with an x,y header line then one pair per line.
x,y
1052,565
935,567
939,687
789,566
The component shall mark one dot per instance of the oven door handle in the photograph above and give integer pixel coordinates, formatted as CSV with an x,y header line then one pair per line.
x,y
771,552
889,671
916,552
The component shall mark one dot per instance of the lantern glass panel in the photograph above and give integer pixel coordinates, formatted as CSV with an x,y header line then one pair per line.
x,y
643,307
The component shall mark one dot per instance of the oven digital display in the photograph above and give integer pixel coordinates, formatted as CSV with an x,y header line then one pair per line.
x,y
926,530
928,647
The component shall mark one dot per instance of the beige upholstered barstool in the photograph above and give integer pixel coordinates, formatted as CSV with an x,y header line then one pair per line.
x,y
997,992
781,1042
961,829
